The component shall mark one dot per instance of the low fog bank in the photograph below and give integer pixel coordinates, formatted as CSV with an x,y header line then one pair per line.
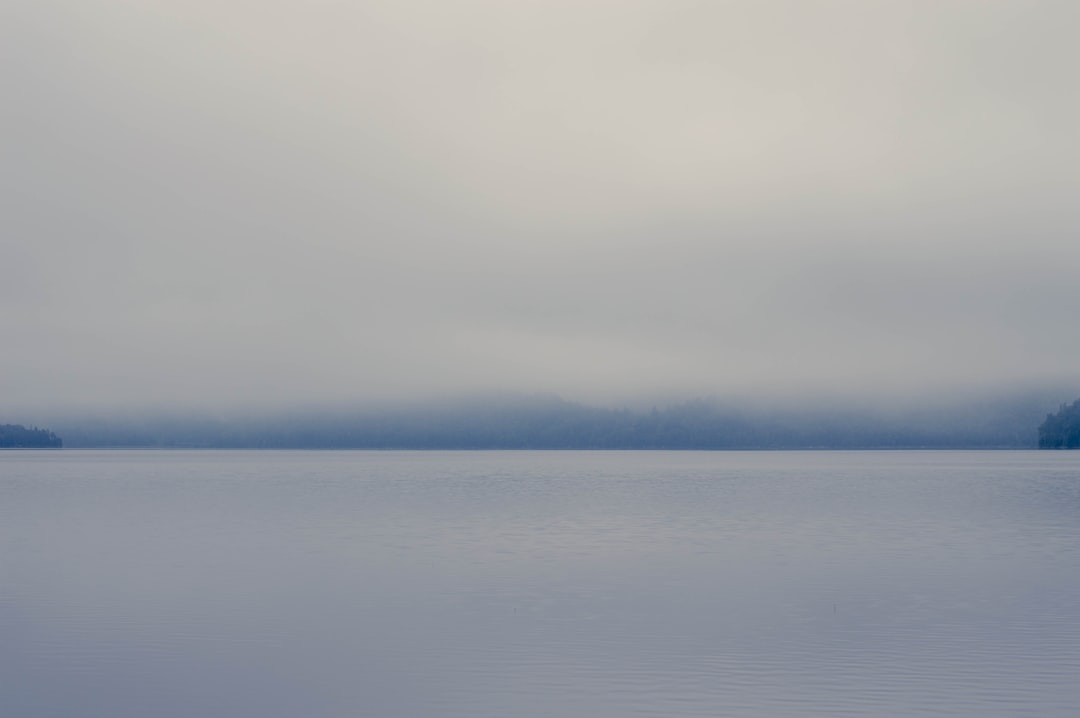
x,y
547,421
216,202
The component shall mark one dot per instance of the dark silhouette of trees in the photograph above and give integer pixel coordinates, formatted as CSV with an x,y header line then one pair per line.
x,y
1061,430
17,436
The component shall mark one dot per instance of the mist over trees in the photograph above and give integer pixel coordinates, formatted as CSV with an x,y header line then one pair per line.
x,y
1061,430
17,436
549,422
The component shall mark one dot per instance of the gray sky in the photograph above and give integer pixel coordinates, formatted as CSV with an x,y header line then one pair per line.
x,y
237,201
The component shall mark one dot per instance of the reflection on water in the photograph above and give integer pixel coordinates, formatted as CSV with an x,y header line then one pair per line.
x,y
539,584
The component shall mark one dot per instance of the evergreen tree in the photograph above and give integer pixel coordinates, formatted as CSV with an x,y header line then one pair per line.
x,y
1061,430
17,436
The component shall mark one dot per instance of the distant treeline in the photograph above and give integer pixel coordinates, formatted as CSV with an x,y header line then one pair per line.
x,y
1061,430
552,423
17,436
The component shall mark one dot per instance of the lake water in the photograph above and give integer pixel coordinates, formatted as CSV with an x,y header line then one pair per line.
x,y
562,584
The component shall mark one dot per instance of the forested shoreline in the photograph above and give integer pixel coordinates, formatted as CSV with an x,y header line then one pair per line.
x,y
17,436
549,422
1061,430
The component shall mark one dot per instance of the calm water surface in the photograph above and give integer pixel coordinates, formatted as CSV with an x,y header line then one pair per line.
x,y
563,584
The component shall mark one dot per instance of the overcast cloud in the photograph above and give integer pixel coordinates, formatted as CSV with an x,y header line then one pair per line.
x,y
237,201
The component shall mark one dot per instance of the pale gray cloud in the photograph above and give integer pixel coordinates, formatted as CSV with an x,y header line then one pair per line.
x,y
233,201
